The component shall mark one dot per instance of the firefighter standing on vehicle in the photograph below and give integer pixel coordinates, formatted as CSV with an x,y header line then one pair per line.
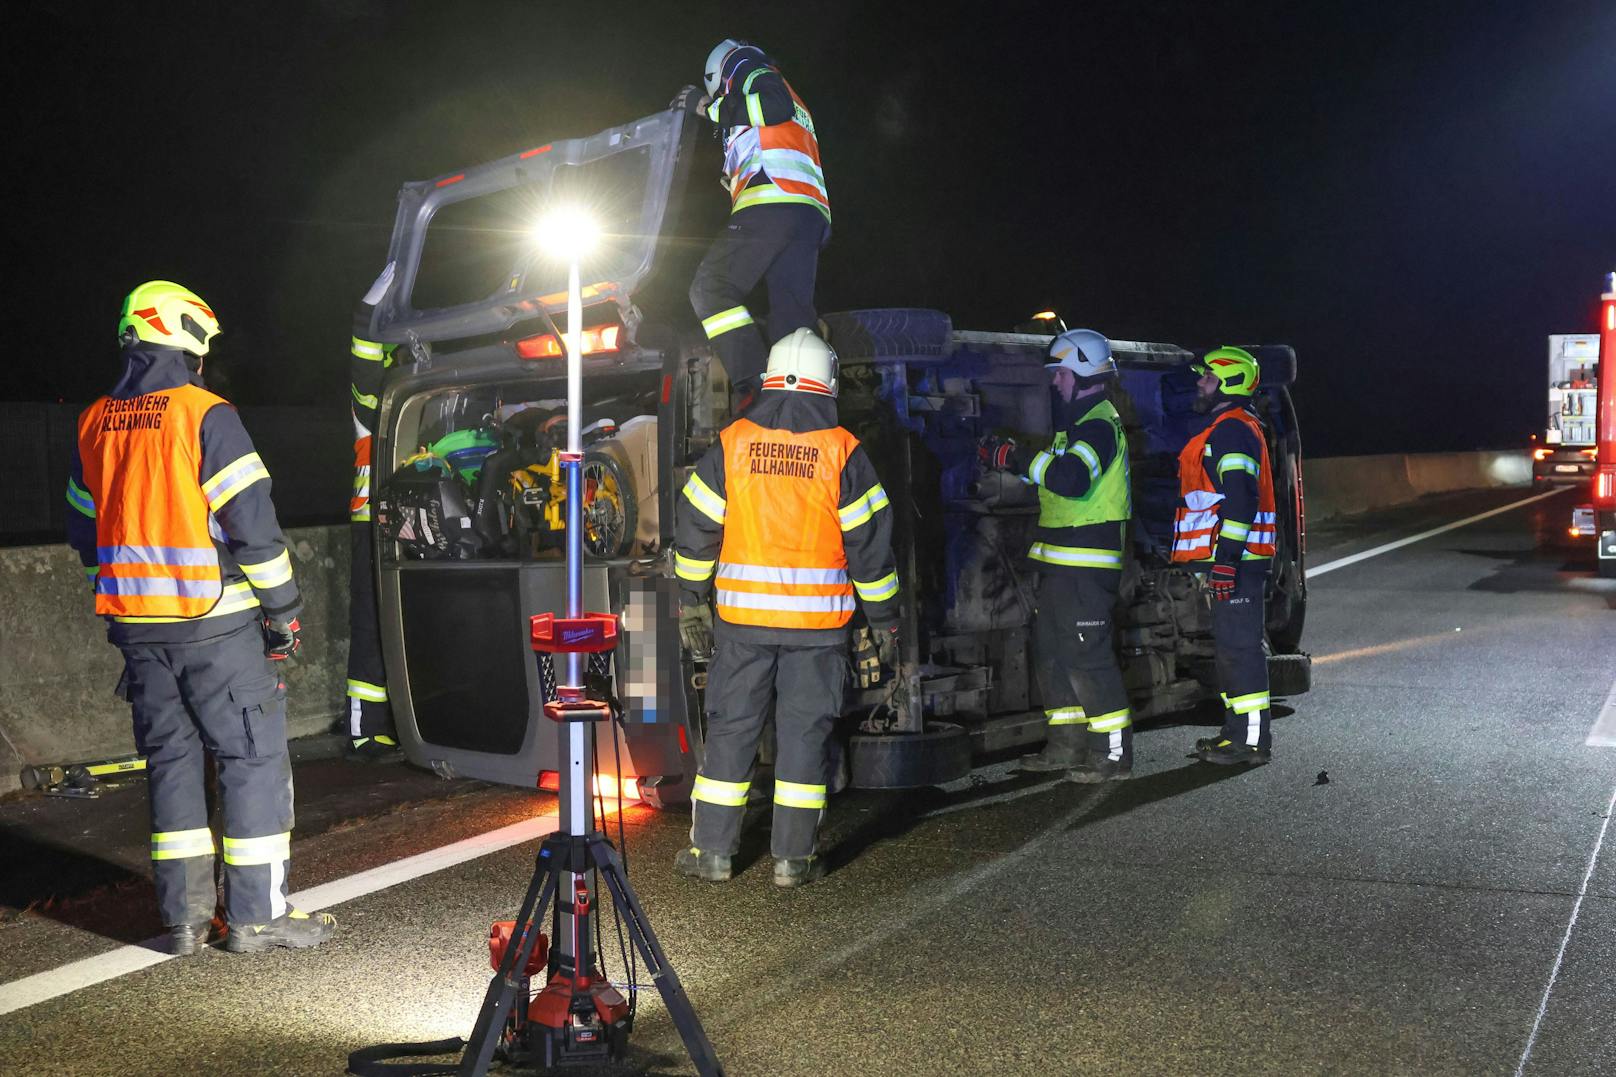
x,y
779,210
172,520
784,522
1225,526
1083,505
370,716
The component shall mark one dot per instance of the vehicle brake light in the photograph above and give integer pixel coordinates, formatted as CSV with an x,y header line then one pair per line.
x,y
597,339
627,788
1590,453
1542,454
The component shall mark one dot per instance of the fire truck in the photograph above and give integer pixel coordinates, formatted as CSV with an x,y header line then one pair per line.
x,y
468,496
1597,518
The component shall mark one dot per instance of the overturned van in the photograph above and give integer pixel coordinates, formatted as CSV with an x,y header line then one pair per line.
x,y
470,505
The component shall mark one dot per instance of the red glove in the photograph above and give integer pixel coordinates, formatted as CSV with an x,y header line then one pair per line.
x,y
994,452
1220,581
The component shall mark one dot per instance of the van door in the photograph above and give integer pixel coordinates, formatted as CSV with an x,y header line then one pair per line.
x,y
465,259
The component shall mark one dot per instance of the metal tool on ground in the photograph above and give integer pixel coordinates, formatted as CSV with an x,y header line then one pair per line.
x,y
78,779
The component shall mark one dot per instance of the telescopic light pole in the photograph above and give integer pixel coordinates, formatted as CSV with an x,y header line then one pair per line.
x,y
569,235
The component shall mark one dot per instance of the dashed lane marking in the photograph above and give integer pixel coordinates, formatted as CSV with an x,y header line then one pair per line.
x,y
64,980
1353,559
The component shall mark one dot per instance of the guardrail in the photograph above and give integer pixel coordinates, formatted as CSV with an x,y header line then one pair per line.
x,y
57,671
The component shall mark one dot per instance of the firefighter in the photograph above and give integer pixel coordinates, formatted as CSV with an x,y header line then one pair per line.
x,y
786,519
173,522
779,210
370,717
1225,528
1083,504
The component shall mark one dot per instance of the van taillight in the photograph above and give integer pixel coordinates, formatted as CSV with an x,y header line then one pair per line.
x,y
597,339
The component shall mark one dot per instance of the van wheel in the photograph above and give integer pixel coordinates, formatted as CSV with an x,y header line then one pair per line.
x,y
611,504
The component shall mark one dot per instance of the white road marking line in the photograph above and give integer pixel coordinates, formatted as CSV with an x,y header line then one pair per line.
x,y
1353,559
1603,734
1559,958
75,976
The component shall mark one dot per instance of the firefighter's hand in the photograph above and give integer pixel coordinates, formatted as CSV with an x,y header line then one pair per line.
x,y
690,100
866,660
282,638
1220,581
887,644
696,629
995,453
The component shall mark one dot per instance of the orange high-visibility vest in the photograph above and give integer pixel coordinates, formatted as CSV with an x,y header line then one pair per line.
x,y
1195,528
787,152
782,564
142,462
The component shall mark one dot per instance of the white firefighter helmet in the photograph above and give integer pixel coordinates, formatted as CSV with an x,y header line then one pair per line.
x,y
802,363
1084,352
713,70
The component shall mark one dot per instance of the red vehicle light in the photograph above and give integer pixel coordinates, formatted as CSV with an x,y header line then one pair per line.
x,y
597,340
1542,454
627,788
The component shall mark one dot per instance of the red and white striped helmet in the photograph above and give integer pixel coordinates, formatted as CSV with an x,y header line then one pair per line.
x,y
802,363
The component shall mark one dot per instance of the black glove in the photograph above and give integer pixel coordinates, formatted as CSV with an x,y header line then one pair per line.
x,y
1220,581
690,100
281,638
696,629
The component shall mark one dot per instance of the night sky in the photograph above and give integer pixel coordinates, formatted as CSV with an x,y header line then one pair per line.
x,y
1412,195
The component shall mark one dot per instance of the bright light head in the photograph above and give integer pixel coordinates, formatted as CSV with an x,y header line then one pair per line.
x,y
567,234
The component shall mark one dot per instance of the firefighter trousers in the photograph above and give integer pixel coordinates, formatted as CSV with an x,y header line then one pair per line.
x,y
778,245
1242,665
1079,679
221,696
806,685
369,713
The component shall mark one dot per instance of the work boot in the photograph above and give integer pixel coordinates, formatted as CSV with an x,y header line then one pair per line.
x,y
382,749
294,931
798,872
1067,747
1225,752
712,867
1110,758
186,939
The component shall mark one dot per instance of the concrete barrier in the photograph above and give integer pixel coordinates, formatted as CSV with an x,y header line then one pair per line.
x,y
1345,485
57,671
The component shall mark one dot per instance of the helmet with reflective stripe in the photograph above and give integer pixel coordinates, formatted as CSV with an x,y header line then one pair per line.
x,y
162,312
1235,368
802,363
1084,352
713,70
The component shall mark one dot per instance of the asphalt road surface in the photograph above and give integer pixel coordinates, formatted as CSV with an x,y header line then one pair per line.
x,y
1421,881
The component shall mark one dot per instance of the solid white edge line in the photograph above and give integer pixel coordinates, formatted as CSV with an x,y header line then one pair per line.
x,y
64,980
1353,559
1559,958
1603,734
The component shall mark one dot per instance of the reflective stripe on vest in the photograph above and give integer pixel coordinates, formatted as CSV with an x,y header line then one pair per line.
x,y
1108,498
782,563
787,153
142,460
1198,522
